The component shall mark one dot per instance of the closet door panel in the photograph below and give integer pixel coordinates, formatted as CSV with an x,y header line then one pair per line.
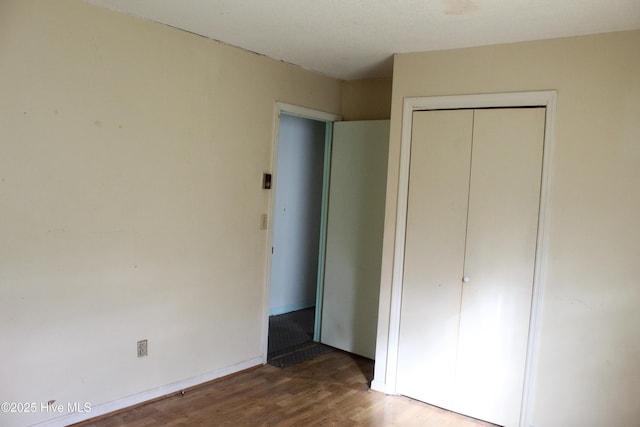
x,y
499,262
434,253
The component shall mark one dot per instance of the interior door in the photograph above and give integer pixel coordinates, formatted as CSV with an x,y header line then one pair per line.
x,y
354,235
469,259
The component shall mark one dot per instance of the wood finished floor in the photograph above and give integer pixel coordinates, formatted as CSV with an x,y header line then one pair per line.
x,y
331,390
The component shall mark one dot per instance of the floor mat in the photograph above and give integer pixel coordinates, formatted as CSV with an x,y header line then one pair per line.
x,y
291,338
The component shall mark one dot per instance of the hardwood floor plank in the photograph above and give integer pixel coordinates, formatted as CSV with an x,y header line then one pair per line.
x,y
331,390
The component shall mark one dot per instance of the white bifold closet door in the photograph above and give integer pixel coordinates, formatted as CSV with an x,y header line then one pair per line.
x,y
472,219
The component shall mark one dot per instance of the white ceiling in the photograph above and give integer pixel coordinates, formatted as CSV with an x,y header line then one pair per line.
x,y
351,39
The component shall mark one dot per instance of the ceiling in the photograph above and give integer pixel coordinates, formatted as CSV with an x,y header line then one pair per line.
x,y
352,39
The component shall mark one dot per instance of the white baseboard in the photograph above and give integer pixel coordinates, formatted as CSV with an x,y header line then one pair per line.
x,y
136,399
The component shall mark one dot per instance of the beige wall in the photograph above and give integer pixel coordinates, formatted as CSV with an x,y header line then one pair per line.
x,y
366,99
131,159
588,370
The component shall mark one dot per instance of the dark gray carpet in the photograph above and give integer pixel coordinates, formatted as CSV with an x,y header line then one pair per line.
x,y
291,338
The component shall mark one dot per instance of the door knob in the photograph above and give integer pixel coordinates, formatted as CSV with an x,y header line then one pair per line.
x,y
465,279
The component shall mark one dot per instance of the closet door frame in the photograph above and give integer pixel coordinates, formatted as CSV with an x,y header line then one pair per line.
x,y
545,99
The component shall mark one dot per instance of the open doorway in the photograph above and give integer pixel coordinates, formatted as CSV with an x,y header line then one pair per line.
x,y
301,157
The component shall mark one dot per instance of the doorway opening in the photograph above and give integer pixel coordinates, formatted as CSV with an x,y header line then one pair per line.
x,y
302,147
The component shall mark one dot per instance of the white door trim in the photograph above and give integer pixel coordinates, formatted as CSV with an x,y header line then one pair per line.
x,y
294,110
515,99
308,113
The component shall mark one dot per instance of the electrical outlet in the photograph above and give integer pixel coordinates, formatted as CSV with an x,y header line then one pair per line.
x,y
142,348
264,222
